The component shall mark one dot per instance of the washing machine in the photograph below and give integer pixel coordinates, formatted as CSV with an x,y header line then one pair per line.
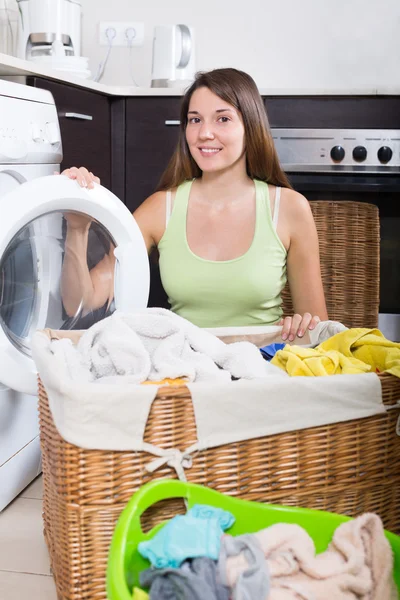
x,y
34,208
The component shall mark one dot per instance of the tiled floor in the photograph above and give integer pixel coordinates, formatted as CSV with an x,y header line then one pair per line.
x,y
24,561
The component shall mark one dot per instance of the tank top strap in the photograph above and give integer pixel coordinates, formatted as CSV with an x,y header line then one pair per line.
x,y
271,218
168,198
180,202
276,206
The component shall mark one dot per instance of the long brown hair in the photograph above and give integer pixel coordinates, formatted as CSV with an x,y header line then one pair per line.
x,y
240,91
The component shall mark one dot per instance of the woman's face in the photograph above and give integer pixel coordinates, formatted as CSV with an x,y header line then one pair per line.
x,y
214,132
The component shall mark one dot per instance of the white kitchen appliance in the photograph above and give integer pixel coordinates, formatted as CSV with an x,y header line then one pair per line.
x,y
8,26
32,238
174,63
49,33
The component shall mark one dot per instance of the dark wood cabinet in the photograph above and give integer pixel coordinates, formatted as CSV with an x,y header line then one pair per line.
x,y
152,128
151,137
85,123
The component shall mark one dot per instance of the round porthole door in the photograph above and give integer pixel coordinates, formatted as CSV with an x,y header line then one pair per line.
x,y
68,258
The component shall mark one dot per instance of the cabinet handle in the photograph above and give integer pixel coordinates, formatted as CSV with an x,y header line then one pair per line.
x,y
172,122
72,115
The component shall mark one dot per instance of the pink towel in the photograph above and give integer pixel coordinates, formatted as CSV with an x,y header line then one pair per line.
x,y
358,563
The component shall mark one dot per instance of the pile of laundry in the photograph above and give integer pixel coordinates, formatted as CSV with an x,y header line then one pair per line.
x,y
155,345
193,559
351,351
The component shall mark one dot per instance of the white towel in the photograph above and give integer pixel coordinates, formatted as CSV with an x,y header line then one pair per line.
x,y
154,344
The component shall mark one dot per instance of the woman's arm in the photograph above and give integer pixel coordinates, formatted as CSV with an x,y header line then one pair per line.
x,y
303,268
81,289
89,290
151,217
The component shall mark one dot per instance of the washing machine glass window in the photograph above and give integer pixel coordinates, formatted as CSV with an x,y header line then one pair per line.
x,y
43,283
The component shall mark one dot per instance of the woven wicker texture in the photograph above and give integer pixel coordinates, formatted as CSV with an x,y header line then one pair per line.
x,y
349,236
348,468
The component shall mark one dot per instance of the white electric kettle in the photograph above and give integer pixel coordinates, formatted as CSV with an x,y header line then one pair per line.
x,y
173,56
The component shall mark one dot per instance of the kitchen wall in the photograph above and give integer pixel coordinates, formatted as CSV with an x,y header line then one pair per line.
x,y
282,44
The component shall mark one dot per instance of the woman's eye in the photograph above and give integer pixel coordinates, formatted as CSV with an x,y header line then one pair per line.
x,y
194,120
223,119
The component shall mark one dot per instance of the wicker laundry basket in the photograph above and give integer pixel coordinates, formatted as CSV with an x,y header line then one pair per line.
x,y
347,468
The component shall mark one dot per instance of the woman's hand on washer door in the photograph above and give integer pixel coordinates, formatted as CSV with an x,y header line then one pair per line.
x,y
84,177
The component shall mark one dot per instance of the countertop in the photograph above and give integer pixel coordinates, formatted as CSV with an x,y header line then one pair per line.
x,y
10,66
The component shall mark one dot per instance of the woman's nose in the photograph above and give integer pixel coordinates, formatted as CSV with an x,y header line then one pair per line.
x,y
206,131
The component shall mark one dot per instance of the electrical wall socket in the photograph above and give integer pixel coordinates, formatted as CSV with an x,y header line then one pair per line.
x,y
121,29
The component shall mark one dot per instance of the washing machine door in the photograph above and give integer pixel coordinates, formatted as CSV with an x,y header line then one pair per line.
x,y
68,257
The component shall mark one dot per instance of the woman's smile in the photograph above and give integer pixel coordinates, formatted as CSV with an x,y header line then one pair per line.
x,y
208,152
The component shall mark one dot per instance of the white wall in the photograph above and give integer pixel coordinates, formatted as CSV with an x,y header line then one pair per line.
x,y
282,44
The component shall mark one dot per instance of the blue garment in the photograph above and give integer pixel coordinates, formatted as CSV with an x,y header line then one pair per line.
x,y
202,511
196,534
268,352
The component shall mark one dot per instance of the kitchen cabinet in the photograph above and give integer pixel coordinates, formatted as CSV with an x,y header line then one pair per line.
x,y
152,127
85,123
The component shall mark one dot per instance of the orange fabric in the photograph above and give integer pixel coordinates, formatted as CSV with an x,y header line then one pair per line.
x,y
168,381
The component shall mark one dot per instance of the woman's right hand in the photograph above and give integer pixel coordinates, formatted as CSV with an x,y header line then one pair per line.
x,y
84,177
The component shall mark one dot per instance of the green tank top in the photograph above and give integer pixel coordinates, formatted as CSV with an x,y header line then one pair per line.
x,y
239,292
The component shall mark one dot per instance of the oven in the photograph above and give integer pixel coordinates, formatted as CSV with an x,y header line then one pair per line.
x,y
353,164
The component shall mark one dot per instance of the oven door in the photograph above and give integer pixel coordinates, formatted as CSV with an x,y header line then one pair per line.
x,y
383,190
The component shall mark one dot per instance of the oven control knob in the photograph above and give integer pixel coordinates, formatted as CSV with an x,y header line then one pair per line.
x,y
385,154
337,153
359,153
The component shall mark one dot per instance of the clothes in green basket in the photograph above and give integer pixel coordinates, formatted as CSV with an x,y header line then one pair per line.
x,y
254,580
198,533
139,594
125,563
195,580
357,564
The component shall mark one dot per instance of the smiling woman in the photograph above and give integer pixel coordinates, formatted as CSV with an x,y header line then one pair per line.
x,y
229,229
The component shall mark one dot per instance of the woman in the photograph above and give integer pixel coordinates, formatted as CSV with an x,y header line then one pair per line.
x,y
228,226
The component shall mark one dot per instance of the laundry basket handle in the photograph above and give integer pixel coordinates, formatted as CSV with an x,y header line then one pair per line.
x,y
129,525
154,492
163,489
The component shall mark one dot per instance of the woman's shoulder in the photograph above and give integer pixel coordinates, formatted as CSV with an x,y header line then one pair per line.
x,y
294,204
295,216
151,216
154,203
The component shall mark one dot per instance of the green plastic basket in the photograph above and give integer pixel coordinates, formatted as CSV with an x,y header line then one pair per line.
x,y
125,562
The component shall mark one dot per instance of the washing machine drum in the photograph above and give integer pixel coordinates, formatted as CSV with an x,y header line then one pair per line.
x,y
68,258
